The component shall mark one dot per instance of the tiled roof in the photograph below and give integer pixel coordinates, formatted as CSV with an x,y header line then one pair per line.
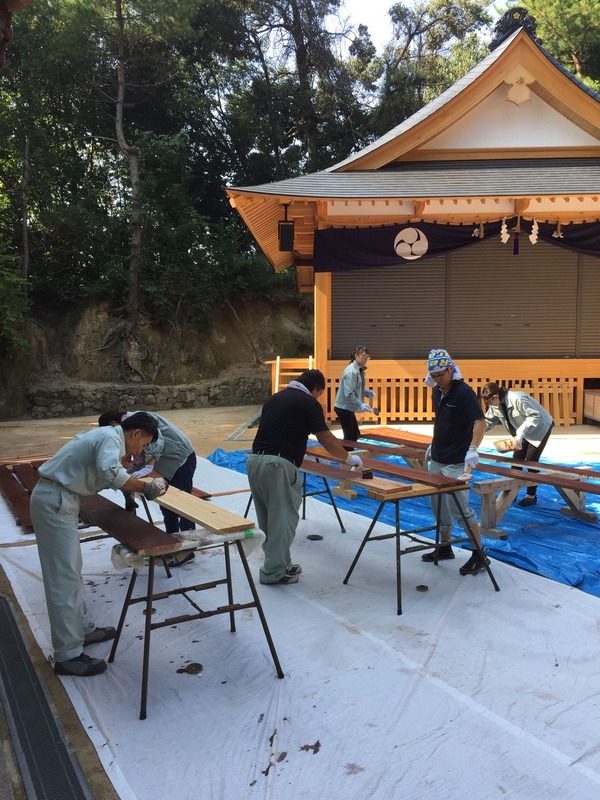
x,y
433,106
486,178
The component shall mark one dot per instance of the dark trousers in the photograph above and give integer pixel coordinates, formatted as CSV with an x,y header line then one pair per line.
x,y
349,425
182,479
531,452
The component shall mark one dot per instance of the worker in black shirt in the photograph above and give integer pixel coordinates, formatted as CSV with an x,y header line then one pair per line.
x,y
458,431
288,418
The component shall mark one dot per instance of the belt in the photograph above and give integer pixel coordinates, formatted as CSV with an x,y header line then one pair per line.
x,y
273,453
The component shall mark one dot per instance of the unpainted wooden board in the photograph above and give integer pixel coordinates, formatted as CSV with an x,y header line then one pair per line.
x,y
208,515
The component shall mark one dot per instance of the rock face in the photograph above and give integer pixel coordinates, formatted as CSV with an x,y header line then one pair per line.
x,y
235,386
72,366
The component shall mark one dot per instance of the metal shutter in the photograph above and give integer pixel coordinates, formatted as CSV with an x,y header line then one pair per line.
x,y
397,312
588,342
502,305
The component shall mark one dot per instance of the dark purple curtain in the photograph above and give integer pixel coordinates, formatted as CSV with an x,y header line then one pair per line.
x,y
343,249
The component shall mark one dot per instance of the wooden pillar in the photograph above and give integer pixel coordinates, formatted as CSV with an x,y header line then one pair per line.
x,y
322,320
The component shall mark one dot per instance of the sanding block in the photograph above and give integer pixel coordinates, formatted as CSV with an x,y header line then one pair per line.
x,y
366,474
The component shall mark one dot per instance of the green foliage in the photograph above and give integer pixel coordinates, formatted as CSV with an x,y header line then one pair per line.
x,y
570,31
218,92
13,305
435,42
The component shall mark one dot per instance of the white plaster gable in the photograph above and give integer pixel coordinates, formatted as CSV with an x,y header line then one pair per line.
x,y
499,123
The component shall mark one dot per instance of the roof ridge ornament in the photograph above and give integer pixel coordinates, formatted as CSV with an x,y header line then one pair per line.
x,y
509,22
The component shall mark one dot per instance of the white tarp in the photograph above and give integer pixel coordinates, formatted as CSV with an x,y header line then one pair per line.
x,y
469,694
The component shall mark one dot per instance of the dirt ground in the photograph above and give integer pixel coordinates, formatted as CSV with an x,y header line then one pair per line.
x,y
208,428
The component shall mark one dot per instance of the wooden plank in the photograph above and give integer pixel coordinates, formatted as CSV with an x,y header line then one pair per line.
x,y
341,474
540,478
211,517
542,465
417,440
132,531
380,449
196,492
411,474
41,457
27,475
16,496
414,475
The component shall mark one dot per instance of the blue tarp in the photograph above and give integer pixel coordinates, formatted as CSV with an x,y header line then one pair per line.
x,y
539,539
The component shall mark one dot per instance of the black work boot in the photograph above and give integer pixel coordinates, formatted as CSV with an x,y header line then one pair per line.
x,y
474,565
444,553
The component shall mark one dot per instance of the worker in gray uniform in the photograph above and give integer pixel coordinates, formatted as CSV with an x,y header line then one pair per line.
x,y
84,466
172,455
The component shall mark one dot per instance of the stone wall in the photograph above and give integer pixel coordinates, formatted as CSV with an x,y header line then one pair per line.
x,y
238,387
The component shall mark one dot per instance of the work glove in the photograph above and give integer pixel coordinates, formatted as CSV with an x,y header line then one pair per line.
x,y
130,504
365,407
353,461
520,434
370,394
428,453
472,458
144,471
155,488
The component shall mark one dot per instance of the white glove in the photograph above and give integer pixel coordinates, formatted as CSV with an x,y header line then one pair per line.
x,y
155,488
141,473
365,407
472,457
520,433
353,461
428,453
370,394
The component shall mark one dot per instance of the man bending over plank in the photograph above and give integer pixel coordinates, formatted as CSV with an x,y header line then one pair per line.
x,y
84,466
287,419
172,453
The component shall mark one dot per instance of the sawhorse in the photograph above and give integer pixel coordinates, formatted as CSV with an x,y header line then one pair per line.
x,y
416,490
144,539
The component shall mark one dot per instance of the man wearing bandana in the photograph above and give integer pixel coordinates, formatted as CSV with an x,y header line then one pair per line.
x,y
458,430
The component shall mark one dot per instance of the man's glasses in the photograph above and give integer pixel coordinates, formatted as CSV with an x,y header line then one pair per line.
x,y
441,374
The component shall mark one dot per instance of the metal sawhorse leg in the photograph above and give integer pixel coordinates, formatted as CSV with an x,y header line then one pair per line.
x,y
419,545
230,609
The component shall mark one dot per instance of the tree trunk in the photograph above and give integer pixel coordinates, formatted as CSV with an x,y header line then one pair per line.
x,y
25,211
132,307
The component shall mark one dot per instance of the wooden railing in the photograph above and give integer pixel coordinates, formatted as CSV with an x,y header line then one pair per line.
x,y
401,395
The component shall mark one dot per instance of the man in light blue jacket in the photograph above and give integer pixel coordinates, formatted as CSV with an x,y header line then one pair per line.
x,y
172,455
349,399
84,466
525,419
